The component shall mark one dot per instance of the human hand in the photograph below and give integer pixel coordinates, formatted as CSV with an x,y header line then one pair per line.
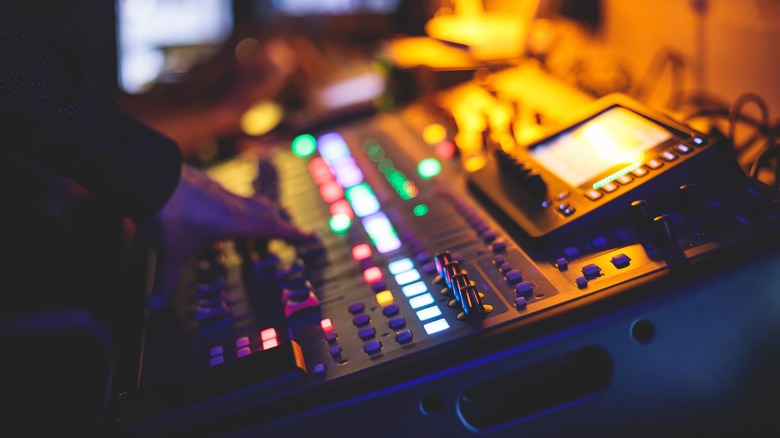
x,y
199,212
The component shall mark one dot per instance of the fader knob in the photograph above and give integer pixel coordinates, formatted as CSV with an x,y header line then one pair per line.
x,y
663,228
451,270
471,302
641,215
440,260
459,282
689,199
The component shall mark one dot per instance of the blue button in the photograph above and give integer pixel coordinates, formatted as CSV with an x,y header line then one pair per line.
x,y
335,350
216,360
403,336
505,267
397,322
599,241
513,276
331,337
319,368
498,246
366,333
524,288
621,261
356,307
562,264
582,282
521,303
591,271
390,310
361,319
373,346
571,252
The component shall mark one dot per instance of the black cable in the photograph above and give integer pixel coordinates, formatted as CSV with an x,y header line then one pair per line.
x,y
735,113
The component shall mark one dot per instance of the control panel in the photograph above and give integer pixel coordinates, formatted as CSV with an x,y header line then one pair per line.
x,y
417,252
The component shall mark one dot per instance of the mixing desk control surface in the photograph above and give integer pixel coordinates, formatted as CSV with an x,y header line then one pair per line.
x,y
418,253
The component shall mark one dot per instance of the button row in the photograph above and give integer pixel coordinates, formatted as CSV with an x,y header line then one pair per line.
x,y
523,289
268,339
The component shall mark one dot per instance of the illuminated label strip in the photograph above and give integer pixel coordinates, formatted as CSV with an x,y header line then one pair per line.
x,y
616,175
416,292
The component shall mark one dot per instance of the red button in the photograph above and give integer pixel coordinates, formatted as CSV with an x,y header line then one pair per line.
x,y
361,252
372,275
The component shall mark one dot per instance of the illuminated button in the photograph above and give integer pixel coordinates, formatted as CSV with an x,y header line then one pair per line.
x,y
399,266
639,172
698,141
326,325
372,347
304,145
428,313
356,307
683,148
347,173
421,301
444,149
361,319
217,360
384,298
269,333
245,351
390,310
366,333
372,275
420,210
397,322
609,187
414,289
341,207
624,179
524,288
216,351
334,350
271,343
363,203
593,194
521,303
563,195
319,368
332,147
320,172
428,168
654,164
340,223
242,342
436,326
361,252
403,336
591,271
668,156
513,276
571,252
620,261
581,282
407,277
331,191
381,232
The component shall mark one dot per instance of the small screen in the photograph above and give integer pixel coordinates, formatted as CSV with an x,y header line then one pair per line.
x,y
159,38
616,137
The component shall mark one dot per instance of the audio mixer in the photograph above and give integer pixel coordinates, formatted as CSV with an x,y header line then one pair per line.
x,y
427,252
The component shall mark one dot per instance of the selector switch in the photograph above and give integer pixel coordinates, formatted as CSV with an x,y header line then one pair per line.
x,y
664,233
641,215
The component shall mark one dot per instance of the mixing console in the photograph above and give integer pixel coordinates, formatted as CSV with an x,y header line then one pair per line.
x,y
421,245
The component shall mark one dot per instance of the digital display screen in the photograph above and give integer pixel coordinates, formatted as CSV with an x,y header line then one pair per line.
x,y
167,37
616,137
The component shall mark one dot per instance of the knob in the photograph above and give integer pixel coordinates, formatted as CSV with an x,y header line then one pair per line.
x,y
663,228
459,282
689,199
440,260
471,301
641,215
451,270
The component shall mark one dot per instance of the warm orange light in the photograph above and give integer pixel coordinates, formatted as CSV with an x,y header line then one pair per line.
x,y
474,163
434,133
261,118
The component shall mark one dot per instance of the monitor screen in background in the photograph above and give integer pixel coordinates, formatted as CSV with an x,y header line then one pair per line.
x,y
159,39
